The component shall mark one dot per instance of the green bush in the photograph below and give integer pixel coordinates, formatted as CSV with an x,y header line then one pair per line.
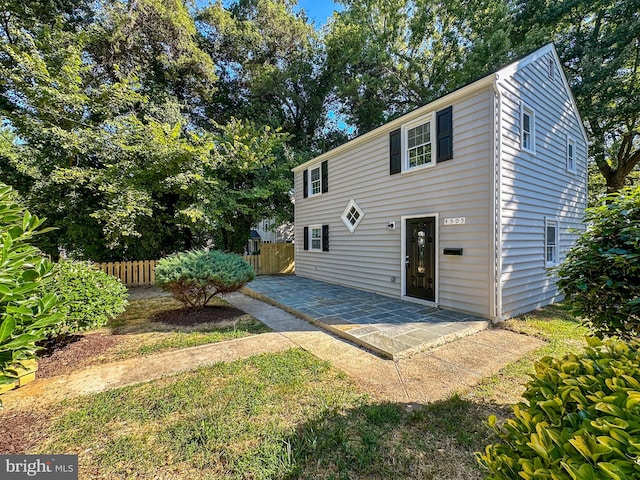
x,y
581,419
25,312
601,274
88,298
195,277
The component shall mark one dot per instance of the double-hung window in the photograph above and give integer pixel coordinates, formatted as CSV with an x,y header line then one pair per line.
x,y
527,128
316,237
419,150
316,181
551,242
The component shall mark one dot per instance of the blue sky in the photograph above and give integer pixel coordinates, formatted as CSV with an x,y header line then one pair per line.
x,y
319,10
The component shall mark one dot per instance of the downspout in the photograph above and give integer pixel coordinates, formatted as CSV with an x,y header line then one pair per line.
x,y
497,203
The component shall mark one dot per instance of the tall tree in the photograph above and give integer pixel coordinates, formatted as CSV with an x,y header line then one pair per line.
x,y
396,55
107,139
272,68
599,45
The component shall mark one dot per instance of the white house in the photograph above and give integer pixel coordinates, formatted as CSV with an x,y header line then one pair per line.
x,y
464,203
267,231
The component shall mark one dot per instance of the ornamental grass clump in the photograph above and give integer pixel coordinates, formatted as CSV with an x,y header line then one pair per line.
x,y
195,277
581,419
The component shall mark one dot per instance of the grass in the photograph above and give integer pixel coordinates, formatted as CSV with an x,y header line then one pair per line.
x,y
289,415
143,335
562,334
286,415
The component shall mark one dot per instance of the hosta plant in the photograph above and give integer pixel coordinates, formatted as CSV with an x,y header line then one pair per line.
x,y
195,277
580,421
25,312
88,297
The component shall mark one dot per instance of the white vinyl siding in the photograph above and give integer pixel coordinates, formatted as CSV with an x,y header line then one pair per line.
x,y
369,258
535,188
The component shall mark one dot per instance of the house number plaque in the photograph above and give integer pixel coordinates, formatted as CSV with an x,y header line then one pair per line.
x,y
454,221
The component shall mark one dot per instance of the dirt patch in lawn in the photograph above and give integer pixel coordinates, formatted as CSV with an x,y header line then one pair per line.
x,y
198,316
79,351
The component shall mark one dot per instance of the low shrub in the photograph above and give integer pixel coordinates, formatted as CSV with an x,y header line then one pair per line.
x,y
581,419
88,297
195,277
601,274
25,312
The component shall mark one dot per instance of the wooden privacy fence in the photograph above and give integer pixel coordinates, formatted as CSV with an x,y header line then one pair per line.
x,y
139,273
274,258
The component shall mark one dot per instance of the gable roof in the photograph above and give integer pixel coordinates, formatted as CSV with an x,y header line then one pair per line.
x,y
494,77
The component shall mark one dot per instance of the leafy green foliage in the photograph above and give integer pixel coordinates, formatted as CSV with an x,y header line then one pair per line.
x,y
195,277
25,313
581,419
394,56
109,136
88,298
601,274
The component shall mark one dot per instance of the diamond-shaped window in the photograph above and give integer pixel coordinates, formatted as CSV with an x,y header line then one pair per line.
x,y
352,216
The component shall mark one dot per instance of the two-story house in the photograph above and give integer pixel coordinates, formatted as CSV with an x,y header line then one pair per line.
x,y
465,203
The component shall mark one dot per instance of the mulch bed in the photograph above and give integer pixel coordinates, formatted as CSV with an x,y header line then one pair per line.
x,y
198,315
21,431
75,354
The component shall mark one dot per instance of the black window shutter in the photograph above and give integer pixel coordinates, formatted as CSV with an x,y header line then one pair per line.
x,y
325,238
444,134
306,238
305,184
325,176
395,152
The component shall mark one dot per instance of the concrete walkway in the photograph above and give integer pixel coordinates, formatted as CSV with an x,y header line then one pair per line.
x,y
425,377
390,327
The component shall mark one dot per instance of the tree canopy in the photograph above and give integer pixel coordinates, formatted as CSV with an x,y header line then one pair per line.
x,y
144,127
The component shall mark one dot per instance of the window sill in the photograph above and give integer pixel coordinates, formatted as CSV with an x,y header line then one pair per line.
x,y
420,168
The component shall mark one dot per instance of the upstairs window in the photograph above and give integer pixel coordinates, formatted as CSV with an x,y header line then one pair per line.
x,y
422,143
315,180
551,242
527,128
419,148
571,155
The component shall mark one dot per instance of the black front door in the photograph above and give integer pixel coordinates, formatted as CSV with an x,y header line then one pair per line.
x,y
421,258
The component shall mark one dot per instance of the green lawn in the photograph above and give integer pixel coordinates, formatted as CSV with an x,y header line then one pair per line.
x,y
289,415
141,332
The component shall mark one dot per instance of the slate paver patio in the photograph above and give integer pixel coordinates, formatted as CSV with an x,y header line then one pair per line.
x,y
392,328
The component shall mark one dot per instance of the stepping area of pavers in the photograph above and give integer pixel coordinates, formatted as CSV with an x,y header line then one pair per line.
x,y
390,327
